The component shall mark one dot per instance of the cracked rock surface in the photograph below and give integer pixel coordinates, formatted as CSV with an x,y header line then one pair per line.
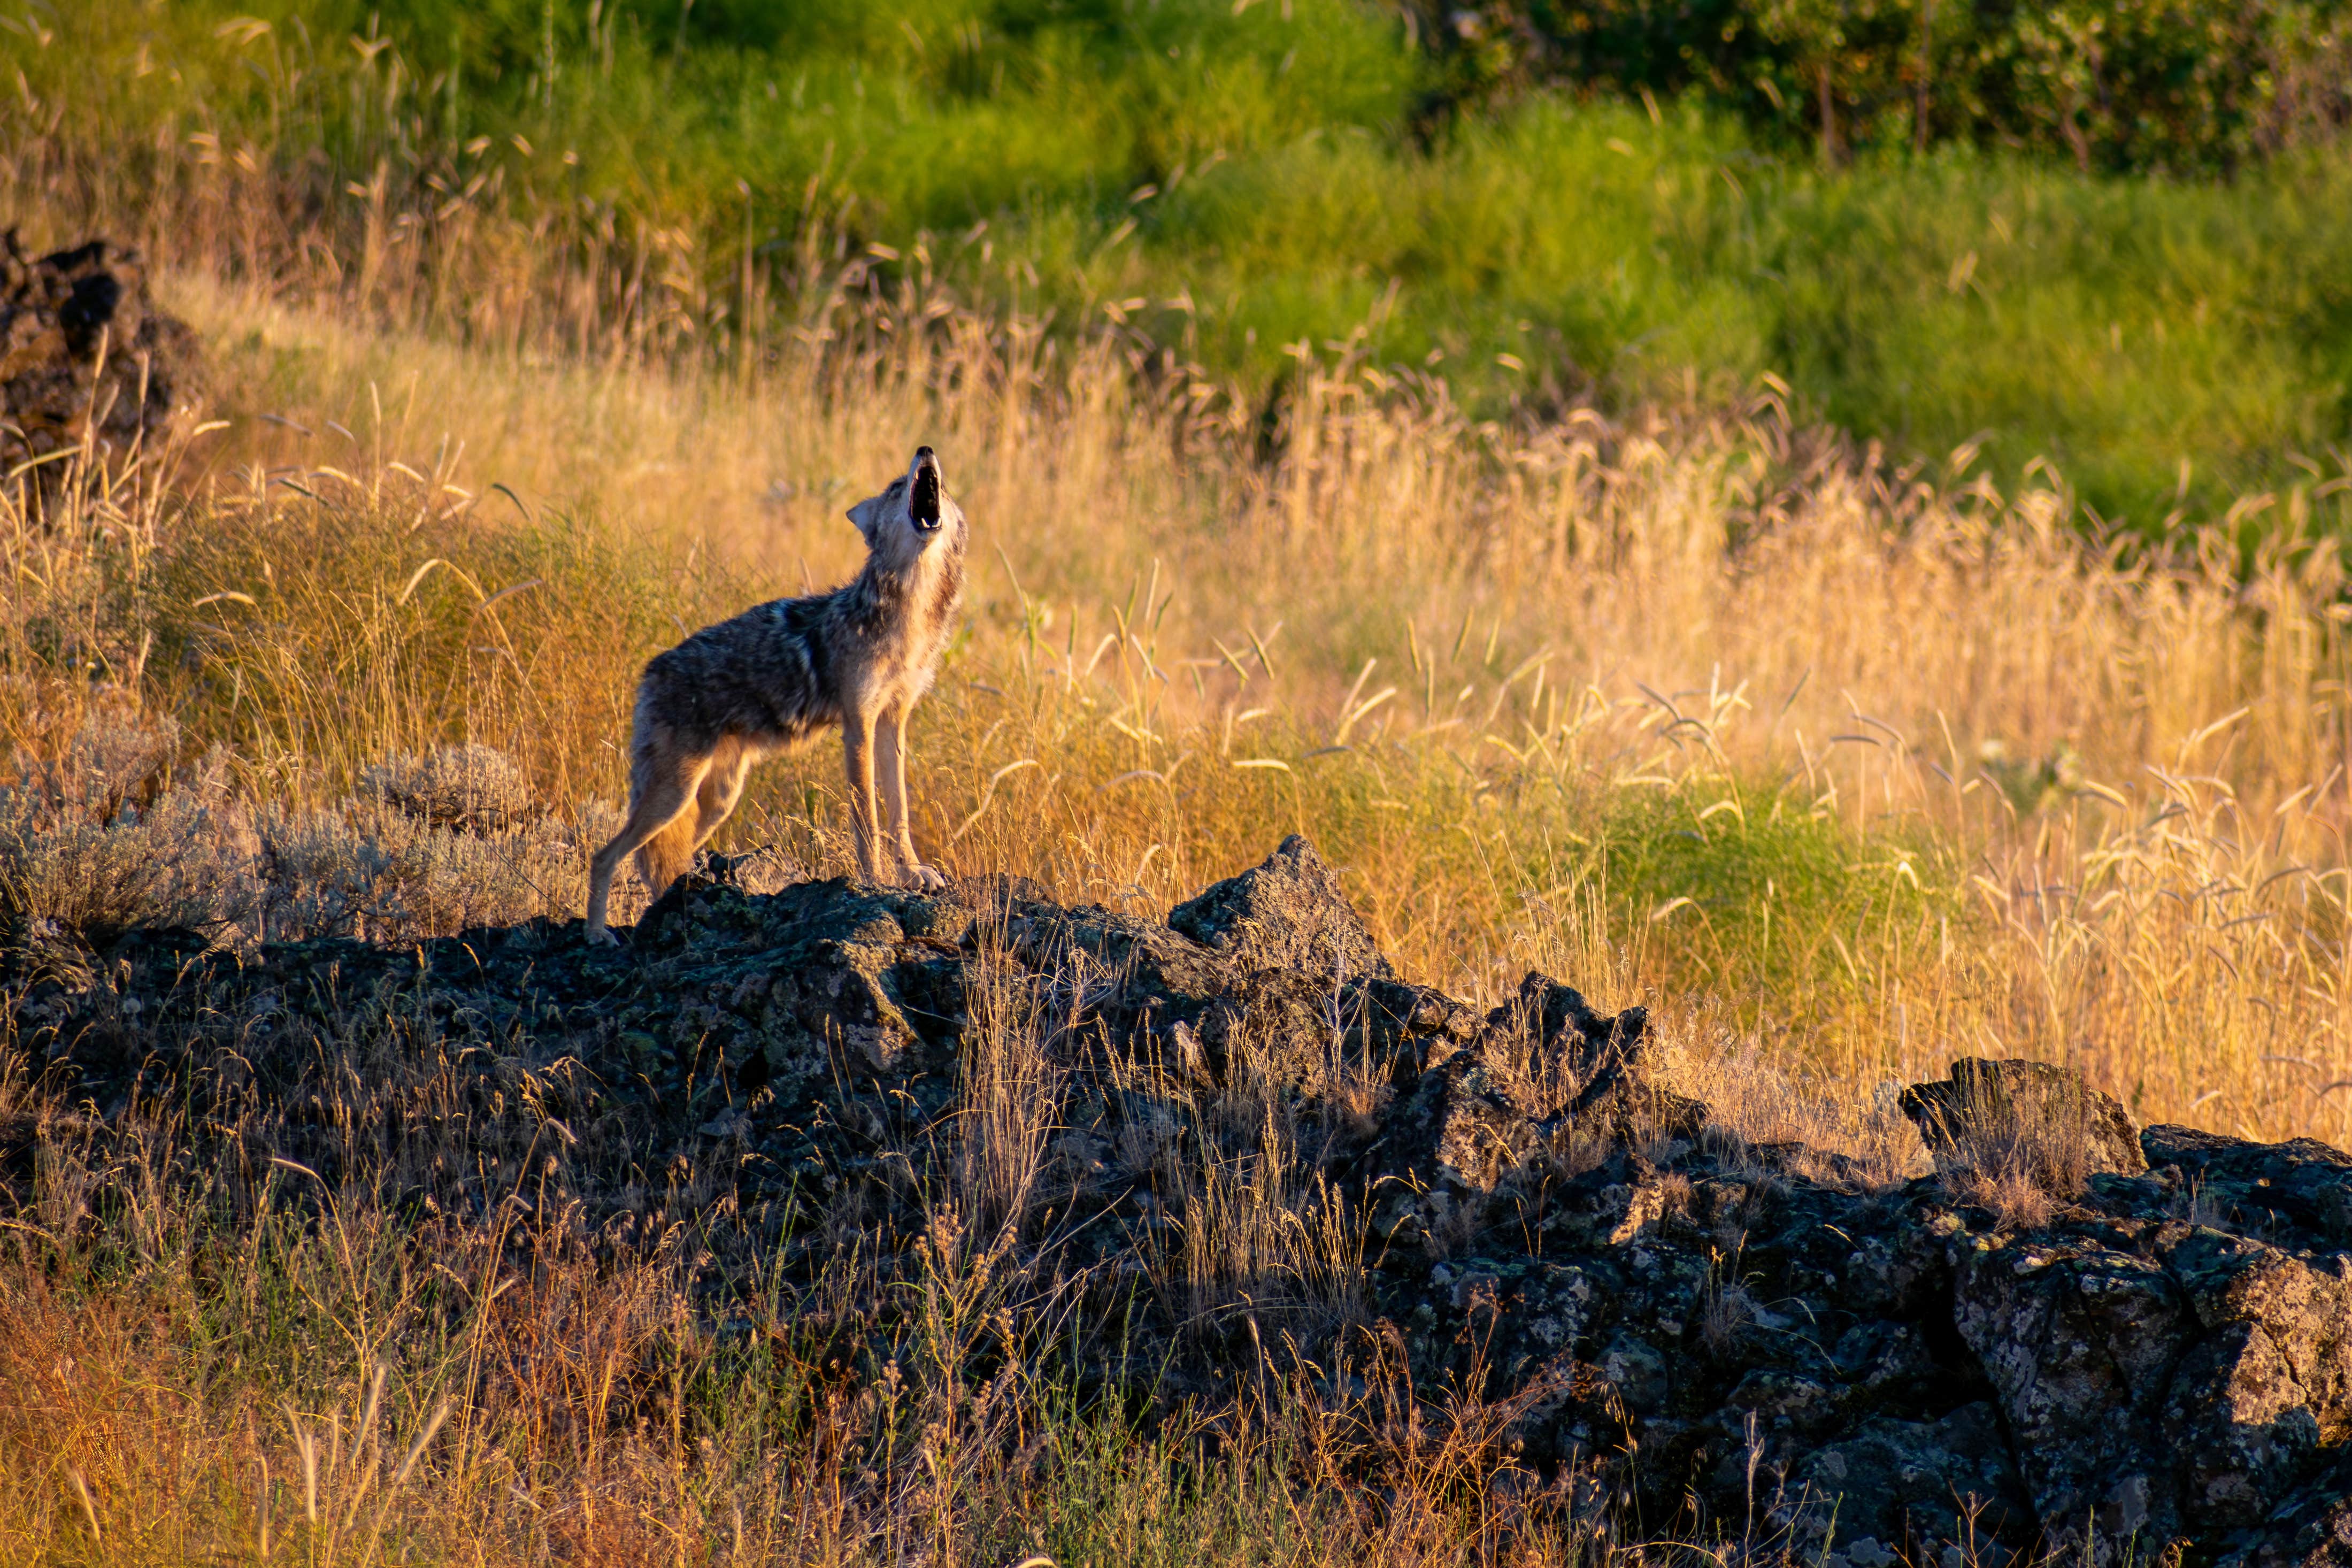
x,y
1716,1337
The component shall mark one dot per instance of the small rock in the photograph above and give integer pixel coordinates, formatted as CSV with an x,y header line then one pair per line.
x,y
2042,1120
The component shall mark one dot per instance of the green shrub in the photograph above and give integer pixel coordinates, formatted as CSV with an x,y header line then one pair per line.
x,y
2113,85
1790,901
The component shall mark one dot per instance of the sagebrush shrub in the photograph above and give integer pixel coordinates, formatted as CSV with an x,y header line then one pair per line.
x,y
93,842
469,787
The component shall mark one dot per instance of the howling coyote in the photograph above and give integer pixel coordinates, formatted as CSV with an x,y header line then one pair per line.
x,y
733,693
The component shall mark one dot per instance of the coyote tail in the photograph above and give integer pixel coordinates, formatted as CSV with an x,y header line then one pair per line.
x,y
664,858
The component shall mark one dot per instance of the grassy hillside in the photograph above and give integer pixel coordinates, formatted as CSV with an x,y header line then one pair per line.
x,y
1842,780
538,333
1242,185
1843,772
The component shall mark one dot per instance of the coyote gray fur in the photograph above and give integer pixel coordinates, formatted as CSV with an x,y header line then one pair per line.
x,y
745,688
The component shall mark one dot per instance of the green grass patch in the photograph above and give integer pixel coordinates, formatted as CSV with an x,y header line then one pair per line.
x,y
1755,893
1240,184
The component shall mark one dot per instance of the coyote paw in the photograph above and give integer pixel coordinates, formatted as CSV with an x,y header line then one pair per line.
x,y
601,936
925,878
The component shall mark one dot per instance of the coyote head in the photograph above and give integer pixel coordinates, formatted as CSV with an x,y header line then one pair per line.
x,y
915,513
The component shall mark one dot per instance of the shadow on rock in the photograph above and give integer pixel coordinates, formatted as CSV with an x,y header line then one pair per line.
x,y
1241,1130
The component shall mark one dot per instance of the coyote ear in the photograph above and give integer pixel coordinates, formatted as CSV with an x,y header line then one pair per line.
x,y
865,513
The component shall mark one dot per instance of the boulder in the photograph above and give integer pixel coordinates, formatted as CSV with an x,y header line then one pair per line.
x,y
2037,1120
2309,1528
1289,914
2162,1381
85,356
2299,1190
1446,1151
1544,1085
1867,1500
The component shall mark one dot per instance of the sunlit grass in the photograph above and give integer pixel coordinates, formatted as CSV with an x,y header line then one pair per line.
x,y
1229,187
1878,777
1842,774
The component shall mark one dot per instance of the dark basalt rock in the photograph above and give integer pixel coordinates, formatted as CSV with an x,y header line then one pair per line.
x,y
1287,914
2298,1192
84,356
2309,1528
1746,1341
1896,1481
2001,1110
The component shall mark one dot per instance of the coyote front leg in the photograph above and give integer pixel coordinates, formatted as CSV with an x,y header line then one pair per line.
x,y
891,736
858,756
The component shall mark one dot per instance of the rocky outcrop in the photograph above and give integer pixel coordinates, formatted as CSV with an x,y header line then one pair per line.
x,y
1725,1340
1289,915
87,361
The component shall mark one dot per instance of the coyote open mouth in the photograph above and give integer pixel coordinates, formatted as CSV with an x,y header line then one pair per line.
x,y
923,497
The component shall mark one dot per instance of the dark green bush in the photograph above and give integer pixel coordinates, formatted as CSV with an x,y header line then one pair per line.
x,y
2113,84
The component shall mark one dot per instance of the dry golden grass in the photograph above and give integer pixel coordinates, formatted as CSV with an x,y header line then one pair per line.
x,y
1759,697
1843,775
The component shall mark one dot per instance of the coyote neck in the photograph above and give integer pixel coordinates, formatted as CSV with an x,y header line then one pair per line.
x,y
910,599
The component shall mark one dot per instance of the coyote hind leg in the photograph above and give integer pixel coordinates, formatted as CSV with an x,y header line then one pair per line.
x,y
722,787
664,785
